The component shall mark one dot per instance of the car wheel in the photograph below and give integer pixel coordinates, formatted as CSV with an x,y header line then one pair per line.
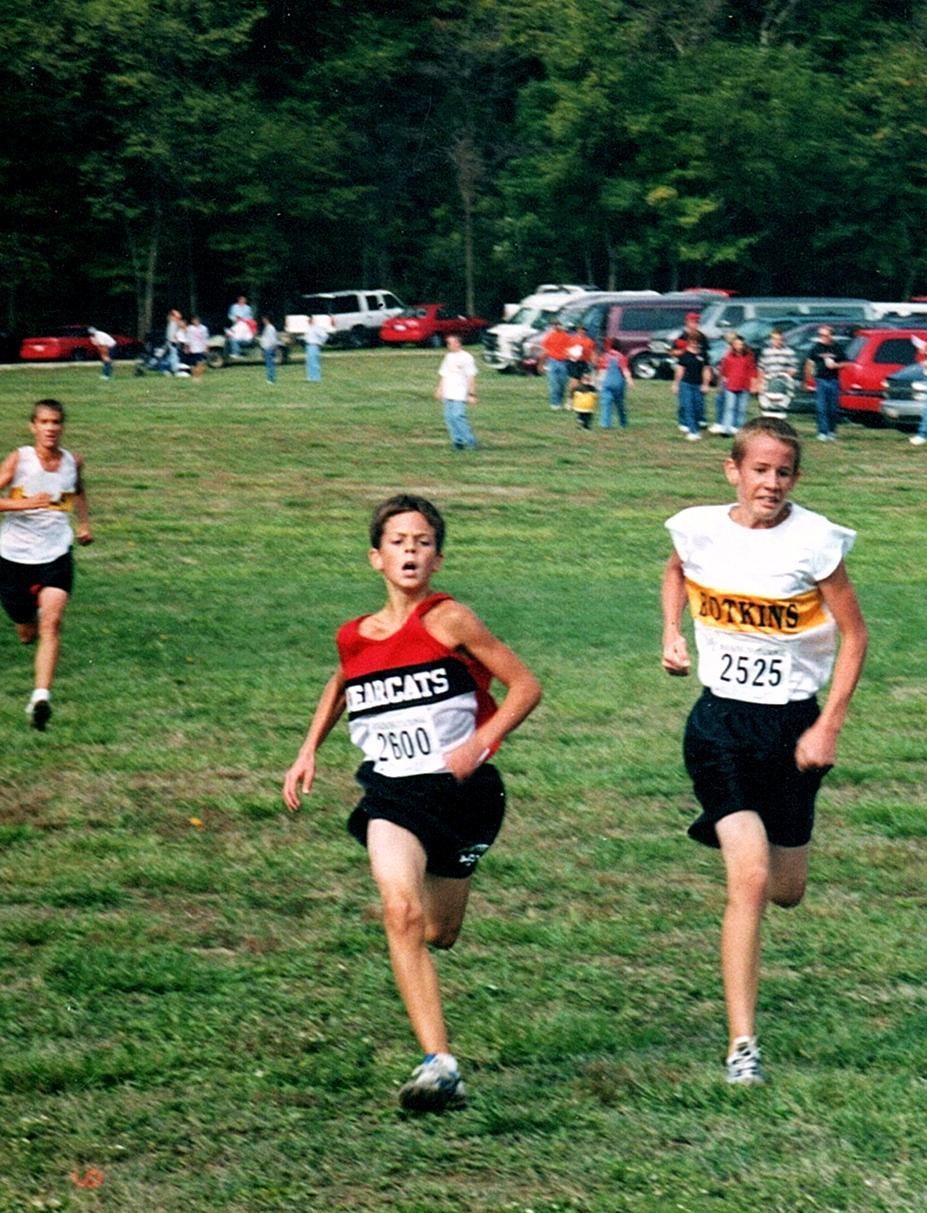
x,y
358,337
435,341
78,355
216,359
645,366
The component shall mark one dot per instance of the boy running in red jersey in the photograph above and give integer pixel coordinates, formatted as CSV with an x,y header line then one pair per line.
x,y
414,678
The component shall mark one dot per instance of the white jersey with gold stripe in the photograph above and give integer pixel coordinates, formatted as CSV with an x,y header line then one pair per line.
x,y
39,536
762,629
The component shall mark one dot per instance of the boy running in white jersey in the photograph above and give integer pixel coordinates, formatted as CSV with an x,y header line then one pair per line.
x,y
769,593
414,679
36,568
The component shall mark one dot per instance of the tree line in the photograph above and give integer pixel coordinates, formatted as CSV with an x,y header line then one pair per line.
x,y
156,154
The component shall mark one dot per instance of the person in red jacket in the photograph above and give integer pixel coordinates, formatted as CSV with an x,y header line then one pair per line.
x,y
738,370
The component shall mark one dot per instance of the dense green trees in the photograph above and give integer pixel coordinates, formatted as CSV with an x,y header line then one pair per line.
x,y
155,154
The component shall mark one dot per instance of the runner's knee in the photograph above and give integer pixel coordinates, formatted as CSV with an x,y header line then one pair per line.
x,y
403,915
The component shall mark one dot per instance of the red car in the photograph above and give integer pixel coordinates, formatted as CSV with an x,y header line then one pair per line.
x,y
872,355
71,343
429,324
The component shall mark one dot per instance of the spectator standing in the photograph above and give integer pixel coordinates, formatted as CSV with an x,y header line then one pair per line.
x,y
457,389
173,336
270,342
777,359
554,345
825,358
614,380
314,337
692,376
583,401
691,331
738,370
104,345
580,355
197,346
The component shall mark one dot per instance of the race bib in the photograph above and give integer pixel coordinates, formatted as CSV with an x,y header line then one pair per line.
x,y
755,673
406,744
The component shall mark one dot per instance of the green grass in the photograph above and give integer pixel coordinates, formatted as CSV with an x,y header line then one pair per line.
x,y
205,1012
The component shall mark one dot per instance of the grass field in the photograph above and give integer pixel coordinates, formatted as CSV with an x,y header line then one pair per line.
x,y
197,1013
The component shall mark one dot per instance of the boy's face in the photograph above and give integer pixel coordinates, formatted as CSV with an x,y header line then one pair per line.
x,y
763,480
407,556
47,428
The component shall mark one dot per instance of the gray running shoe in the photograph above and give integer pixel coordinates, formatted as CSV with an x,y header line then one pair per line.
x,y
743,1063
434,1086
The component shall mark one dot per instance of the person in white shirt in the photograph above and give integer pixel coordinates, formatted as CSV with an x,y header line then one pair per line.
x,y
104,344
315,337
457,389
46,490
775,618
269,340
197,346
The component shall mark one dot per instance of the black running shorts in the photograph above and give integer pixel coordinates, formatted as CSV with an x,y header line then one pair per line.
x,y
741,757
455,822
20,584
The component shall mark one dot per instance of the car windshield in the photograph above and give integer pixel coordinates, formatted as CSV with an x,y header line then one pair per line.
x,y
526,315
413,313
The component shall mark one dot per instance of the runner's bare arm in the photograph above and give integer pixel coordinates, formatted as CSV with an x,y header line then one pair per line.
x,y
675,658
81,508
459,628
817,746
298,779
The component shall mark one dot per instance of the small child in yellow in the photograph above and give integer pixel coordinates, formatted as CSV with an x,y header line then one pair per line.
x,y
583,400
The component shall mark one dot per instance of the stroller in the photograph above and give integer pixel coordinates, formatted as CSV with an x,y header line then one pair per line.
x,y
155,357
776,396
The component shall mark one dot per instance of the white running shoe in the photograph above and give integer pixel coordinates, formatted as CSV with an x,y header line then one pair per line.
x,y
716,429
744,1066
917,440
434,1086
693,437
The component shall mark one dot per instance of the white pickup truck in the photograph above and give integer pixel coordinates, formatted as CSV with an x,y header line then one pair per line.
x,y
353,318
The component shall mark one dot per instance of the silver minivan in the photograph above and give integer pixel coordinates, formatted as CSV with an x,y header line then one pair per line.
x,y
719,318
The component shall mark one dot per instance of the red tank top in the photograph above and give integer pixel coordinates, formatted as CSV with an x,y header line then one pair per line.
x,y
409,697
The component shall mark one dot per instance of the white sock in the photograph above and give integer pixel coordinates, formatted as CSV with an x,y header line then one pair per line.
x,y
40,693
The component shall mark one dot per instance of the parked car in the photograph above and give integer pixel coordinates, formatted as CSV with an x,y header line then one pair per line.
x,y
353,318
429,324
873,355
720,315
71,343
906,396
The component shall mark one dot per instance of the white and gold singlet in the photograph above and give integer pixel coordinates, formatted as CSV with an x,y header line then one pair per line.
x,y
40,536
762,629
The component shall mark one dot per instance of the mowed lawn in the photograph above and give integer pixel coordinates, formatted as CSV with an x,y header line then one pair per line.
x,y
196,1011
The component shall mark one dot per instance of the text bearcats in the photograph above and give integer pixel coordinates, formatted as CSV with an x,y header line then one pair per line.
x,y
422,685
776,616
